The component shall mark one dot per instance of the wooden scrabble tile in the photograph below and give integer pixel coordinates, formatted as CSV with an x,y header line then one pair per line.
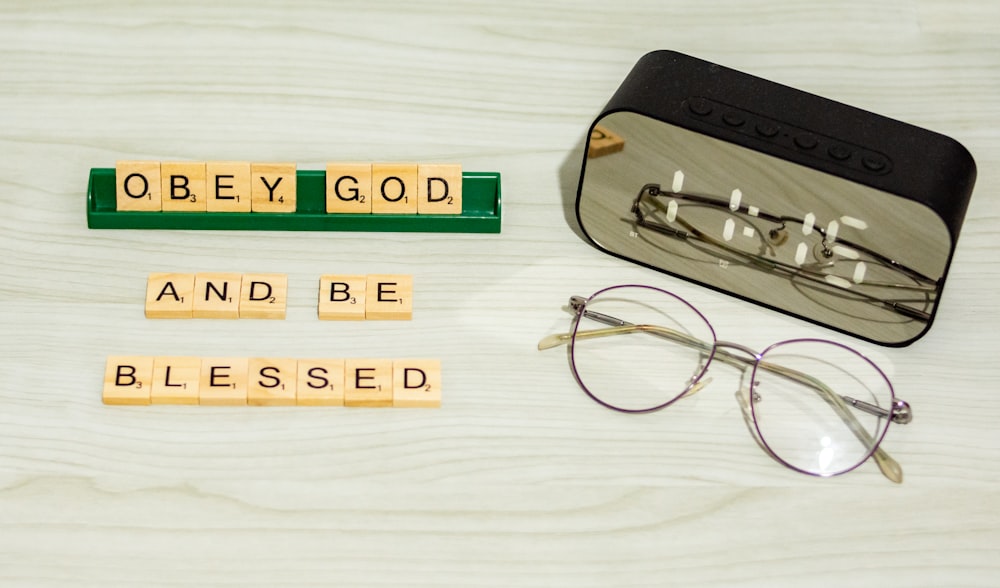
x,y
439,189
169,296
228,186
137,185
217,295
273,187
128,380
320,382
264,296
223,381
416,383
394,188
176,380
389,297
182,187
342,298
272,382
367,382
603,142
349,188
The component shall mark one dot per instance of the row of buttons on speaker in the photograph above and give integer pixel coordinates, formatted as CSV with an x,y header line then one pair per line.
x,y
789,136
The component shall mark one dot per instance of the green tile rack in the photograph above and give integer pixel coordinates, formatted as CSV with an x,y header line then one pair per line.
x,y
480,211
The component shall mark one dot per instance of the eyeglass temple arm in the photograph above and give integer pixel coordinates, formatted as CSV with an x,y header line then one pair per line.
x,y
889,467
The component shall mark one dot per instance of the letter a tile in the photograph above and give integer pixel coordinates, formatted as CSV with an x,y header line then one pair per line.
x,y
169,296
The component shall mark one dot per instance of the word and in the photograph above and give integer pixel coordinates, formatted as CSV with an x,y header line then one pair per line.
x,y
138,380
216,295
221,186
265,296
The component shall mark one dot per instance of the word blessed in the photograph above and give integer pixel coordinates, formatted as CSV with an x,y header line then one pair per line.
x,y
221,186
265,296
136,380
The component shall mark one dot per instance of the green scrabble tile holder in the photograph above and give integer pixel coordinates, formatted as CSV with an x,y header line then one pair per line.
x,y
480,211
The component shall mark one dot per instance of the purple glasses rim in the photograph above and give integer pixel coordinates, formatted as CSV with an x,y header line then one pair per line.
x,y
877,441
694,381
757,357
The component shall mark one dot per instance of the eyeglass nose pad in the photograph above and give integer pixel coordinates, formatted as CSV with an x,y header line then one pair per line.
x,y
743,396
698,386
778,236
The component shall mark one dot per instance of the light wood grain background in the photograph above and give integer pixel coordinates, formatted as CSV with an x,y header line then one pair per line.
x,y
518,480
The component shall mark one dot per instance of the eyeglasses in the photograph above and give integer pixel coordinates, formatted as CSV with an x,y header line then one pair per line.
x,y
815,406
818,256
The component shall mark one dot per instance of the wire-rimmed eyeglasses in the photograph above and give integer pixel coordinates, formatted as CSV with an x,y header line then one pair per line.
x,y
818,257
816,406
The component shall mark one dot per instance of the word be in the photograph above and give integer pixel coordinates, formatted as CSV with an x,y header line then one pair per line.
x,y
133,380
372,297
220,186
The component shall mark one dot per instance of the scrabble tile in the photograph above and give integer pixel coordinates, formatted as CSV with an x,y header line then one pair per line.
x,y
416,383
394,188
228,186
342,298
603,142
169,296
217,295
272,382
264,296
223,381
182,187
273,187
176,380
349,188
320,382
137,185
439,189
128,380
389,297
367,382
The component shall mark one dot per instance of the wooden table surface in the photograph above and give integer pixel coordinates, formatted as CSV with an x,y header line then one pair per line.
x,y
518,479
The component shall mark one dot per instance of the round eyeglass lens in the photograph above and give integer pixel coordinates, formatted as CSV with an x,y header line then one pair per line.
x,y
637,348
818,406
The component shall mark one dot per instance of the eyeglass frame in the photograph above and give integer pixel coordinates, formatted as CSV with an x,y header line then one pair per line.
x,y
928,285
899,412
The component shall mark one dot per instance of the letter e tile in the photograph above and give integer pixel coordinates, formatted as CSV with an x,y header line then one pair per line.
x,y
389,297
367,382
223,381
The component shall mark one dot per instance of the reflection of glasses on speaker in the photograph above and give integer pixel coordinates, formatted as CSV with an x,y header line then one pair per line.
x,y
798,247
817,407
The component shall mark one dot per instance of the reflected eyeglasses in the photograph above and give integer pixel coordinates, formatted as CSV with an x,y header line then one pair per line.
x,y
815,406
832,262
